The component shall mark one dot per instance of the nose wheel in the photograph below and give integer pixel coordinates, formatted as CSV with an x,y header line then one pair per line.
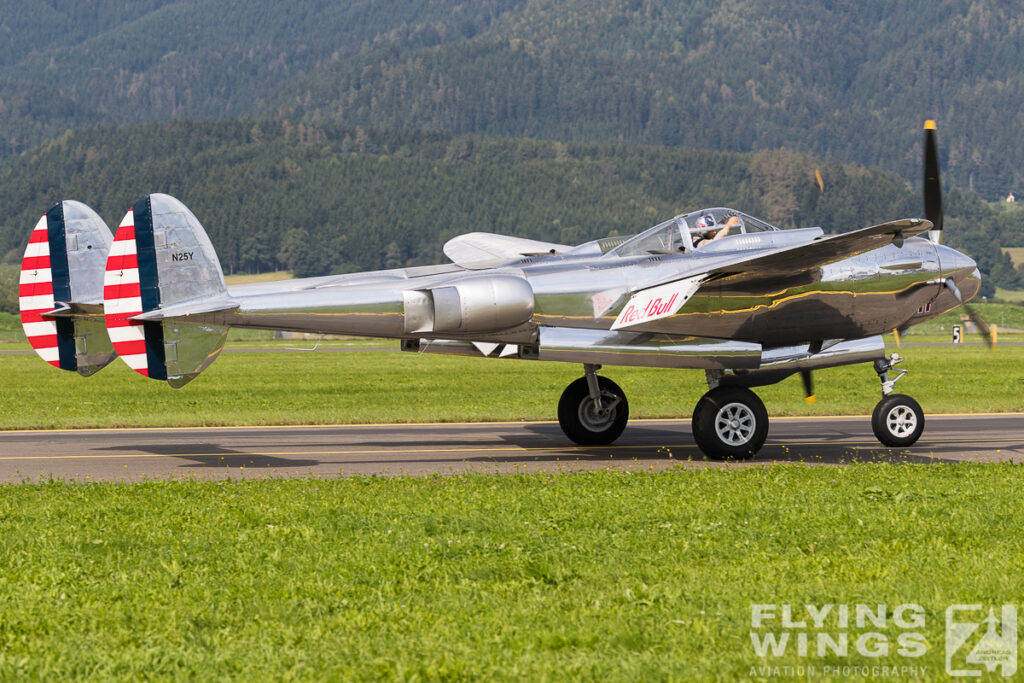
x,y
897,420
593,410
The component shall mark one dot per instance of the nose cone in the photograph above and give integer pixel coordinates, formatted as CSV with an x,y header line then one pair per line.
x,y
953,260
962,269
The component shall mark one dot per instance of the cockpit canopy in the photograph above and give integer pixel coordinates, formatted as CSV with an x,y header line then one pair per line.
x,y
679,234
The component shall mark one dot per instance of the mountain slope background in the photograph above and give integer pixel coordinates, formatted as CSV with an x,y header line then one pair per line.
x,y
321,137
836,79
321,199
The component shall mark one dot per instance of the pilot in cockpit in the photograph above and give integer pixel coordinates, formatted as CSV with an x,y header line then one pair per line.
x,y
709,230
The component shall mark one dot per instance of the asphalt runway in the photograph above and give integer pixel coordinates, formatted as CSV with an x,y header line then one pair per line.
x,y
216,453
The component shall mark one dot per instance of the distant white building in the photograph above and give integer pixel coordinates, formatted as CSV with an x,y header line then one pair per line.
x,y
1010,199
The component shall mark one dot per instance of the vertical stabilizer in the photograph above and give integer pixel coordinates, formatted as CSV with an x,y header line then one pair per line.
x,y
162,260
60,290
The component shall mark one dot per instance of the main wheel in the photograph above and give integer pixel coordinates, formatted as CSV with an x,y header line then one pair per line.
x,y
730,423
583,422
897,420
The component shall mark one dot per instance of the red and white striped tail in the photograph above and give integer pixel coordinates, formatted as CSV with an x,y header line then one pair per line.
x,y
35,295
161,277
60,290
122,297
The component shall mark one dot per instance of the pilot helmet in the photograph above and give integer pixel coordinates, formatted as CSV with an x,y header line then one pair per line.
x,y
706,221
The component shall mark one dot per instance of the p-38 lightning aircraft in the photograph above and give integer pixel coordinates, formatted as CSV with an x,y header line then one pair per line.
x,y
751,307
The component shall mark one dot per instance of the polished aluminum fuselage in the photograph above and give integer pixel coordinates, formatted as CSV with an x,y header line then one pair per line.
x,y
868,294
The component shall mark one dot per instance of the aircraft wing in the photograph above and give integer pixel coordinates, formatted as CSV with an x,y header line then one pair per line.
x,y
820,251
478,250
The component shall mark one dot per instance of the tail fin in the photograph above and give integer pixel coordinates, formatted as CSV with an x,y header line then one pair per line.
x,y
162,276
60,290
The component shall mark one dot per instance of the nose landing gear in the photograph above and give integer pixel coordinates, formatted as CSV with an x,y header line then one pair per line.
x,y
897,420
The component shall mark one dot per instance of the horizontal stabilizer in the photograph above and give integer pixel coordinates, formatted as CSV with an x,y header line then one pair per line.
x,y
188,309
61,286
73,309
477,250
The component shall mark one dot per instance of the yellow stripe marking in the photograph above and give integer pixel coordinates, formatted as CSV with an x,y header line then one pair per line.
x,y
398,450
363,425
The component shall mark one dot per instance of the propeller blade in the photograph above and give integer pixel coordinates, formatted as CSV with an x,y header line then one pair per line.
x,y
951,286
983,327
809,397
932,188
972,314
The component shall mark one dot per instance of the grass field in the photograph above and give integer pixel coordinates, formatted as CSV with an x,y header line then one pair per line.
x,y
1011,295
597,576
10,328
1016,254
364,387
610,575
1006,316
250,278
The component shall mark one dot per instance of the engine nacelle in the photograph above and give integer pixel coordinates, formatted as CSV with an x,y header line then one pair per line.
x,y
476,304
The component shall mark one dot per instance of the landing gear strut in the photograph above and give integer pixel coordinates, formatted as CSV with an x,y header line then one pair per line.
x,y
593,410
897,420
730,422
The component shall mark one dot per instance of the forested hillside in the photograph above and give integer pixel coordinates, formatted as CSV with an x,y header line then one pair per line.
x,y
320,199
852,80
71,63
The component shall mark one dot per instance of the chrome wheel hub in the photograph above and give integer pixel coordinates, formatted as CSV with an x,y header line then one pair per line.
x,y
735,424
901,421
594,419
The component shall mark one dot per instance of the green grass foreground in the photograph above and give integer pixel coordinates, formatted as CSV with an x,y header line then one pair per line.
x,y
601,575
382,387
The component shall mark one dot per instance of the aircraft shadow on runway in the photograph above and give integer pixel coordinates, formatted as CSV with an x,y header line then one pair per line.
x,y
214,456
640,443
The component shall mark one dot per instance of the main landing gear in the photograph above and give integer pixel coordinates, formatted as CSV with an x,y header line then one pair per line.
x,y
730,422
593,410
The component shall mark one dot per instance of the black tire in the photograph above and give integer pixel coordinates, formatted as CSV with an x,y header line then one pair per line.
x,y
897,421
730,423
579,419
